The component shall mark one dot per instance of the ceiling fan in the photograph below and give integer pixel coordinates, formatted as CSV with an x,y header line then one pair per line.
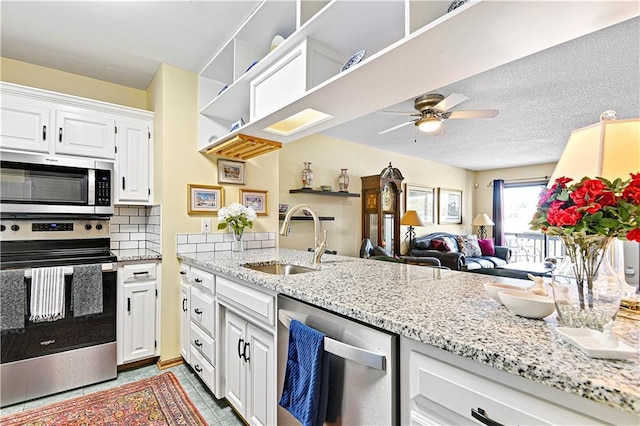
x,y
433,109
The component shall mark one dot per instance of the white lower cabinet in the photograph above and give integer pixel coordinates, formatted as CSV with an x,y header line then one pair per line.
x,y
185,319
248,330
137,331
438,387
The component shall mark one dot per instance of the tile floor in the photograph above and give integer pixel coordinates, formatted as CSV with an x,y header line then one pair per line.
x,y
215,412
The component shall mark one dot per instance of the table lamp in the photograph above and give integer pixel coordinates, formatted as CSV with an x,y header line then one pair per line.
x,y
411,218
482,220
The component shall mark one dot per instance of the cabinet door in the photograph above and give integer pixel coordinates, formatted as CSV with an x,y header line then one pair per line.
x,y
139,320
25,124
185,327
85,134
261,391
133,161
235,370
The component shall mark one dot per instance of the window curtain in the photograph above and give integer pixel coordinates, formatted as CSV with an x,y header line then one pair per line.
x,y
498,211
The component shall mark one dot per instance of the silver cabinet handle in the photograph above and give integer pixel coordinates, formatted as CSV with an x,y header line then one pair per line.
x,y
343,350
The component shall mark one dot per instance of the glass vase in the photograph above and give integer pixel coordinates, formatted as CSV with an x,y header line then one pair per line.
x,y
586,289
343,181
237,244
307,176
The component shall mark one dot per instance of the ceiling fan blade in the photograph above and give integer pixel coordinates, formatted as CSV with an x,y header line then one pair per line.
x,y
450,101
391,129
485,113
401,112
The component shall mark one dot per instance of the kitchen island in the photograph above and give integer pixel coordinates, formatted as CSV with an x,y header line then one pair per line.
x,y
447,310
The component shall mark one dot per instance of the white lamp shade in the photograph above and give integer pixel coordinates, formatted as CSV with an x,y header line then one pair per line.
x,y
608,149
482,219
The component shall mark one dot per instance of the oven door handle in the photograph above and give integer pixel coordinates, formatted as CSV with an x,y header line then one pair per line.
x,y
343,350
68,270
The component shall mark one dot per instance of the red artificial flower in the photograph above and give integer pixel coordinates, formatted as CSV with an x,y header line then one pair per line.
x,y
631,193
568,217
594,208
634,235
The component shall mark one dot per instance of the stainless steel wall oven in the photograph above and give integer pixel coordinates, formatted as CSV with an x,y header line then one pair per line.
x,y
44,356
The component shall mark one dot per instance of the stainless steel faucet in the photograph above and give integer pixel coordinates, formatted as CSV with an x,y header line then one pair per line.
x,y
319,247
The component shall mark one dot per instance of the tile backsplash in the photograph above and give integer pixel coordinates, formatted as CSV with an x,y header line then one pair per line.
x,y
200,243
136,227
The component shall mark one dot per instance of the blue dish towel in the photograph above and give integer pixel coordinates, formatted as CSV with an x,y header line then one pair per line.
x,y
306,381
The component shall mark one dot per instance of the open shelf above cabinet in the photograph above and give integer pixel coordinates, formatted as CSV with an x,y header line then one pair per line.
x,y
403,39
317,192
244,147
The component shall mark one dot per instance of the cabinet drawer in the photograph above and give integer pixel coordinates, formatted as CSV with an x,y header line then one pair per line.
x,y
203,279
138,272
204,343
248,300
204,369
442,391
202,309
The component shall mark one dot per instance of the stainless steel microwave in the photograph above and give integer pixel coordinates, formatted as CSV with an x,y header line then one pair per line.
x,y
42,184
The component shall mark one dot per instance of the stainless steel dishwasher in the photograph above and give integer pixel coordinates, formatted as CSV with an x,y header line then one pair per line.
x,y
363,370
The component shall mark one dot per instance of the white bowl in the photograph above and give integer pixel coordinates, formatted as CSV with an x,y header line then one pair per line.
x,y
492,290
527,305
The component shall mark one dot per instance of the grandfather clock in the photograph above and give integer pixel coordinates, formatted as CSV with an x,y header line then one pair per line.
x,y
381,208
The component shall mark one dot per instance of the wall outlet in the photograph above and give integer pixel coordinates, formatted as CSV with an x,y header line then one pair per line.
x,y
205,226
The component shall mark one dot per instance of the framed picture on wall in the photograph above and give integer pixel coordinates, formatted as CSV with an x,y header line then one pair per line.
x,y
450,202
256,199
204,199
421,199
230,171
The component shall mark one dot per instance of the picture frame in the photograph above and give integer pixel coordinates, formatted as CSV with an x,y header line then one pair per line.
x,y
231,171
257,199
421,199
204,199
450,206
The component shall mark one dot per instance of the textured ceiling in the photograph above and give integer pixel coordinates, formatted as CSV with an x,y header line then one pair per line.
x,y
541,99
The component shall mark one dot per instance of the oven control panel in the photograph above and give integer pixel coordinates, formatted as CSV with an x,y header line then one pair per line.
x,y
33,229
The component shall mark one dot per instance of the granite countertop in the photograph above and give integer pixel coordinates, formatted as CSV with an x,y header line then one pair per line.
x,y
449,310
129,255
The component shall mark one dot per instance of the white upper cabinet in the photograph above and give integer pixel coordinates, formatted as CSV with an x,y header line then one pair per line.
x,y
133,160
85,134
25,124
43,122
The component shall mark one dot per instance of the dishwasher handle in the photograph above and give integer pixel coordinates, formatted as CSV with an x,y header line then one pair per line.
x,y
343,350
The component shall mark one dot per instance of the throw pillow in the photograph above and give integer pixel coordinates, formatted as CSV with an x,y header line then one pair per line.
x,y
486,247
453,244
423,245
469,245
440,245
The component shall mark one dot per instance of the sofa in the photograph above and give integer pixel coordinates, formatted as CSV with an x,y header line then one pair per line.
x,y
368,251
460,252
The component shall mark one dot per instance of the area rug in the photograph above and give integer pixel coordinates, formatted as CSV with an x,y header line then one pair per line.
x,y
159,400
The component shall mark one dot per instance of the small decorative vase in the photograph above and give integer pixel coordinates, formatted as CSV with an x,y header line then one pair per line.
x,y
343,181
586,289
307,176
237,244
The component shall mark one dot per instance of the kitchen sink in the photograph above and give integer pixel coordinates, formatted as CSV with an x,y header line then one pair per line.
x,y
278,268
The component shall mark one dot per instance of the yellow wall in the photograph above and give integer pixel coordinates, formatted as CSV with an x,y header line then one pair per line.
x,y
483,195
327,156
26,74
173,96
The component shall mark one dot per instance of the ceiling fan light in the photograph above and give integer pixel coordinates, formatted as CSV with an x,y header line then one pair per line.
x,y
429,124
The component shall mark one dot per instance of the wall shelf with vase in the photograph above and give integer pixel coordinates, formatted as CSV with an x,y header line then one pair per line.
x,y
319,192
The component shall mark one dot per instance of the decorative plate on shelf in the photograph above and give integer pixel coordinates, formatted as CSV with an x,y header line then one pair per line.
x,y
357,57
252,65
276,41
455,4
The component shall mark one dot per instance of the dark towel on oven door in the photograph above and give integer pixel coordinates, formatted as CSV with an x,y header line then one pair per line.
x,y
306,383
13,296
86,290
